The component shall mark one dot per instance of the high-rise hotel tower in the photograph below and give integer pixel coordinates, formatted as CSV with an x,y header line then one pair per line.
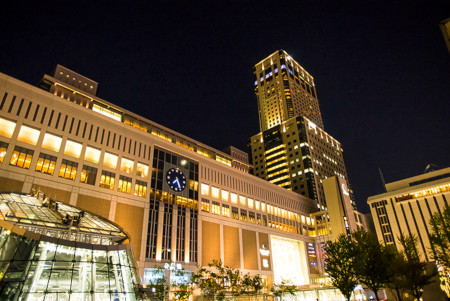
x,y
292,150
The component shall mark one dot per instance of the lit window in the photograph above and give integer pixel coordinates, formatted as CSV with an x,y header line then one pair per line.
x,y
235,212
225,195
215,208
215,192
73,148
243,215
204,189
127,165
106,112
28,135
110,160
242,200
140,188
263,207
88,175
258,219
3,148
225,210
21,157
107,179
233,198
250,203
51,142
46,164
68,170
257,205
142,170
251,217
6,128
205,205
92,154
125,184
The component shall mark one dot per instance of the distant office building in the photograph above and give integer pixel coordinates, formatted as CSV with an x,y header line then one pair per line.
x,y
284,90
445,27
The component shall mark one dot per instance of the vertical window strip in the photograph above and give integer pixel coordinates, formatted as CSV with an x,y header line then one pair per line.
x,y
64,124
418,232
51,117
28,110
20,107
3,100
11,105
57,120
406,220
43,115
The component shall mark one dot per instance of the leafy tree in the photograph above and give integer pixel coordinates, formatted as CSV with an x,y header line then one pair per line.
x,y
251,284
340,265
159,287
183,291
414,269
397,271
284,288
440,244
211,280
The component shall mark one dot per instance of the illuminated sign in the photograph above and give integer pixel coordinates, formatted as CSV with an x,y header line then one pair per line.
x,y
265,263
344,191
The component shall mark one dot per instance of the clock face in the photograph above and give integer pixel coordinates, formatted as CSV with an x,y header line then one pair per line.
x,y
176,179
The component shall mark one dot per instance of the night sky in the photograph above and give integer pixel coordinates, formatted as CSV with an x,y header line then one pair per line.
x,y
381,68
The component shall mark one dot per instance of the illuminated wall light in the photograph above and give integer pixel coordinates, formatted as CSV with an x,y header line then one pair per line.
x,y
28,135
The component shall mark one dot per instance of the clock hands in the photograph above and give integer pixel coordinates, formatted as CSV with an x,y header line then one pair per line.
x,y
178,182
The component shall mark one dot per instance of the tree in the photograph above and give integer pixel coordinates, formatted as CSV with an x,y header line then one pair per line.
x,y
340,265
414,269
397,271
159,287
440,244
211,280
285,287
372,261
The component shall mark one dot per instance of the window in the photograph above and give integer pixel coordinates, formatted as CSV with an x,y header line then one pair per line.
x,y
205,205
125,184
251,216
21,157
92,154
68,170
6,128
88,175
140,188
110,160
225,195
257,205
215,192
204,189
73,148
225,210
215,208
127,165
3,148
235,212
107,179
242,200
51,142
263,206
46,164
243,215
250,203
233,198
142,170
258,219
28,135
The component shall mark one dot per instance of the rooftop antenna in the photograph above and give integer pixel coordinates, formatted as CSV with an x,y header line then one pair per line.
x,y
382,180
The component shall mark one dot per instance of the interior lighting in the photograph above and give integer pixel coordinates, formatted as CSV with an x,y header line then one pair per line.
x,y
51,142
28,135
6,128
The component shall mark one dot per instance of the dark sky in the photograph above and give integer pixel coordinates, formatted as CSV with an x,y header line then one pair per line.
x,y
381,68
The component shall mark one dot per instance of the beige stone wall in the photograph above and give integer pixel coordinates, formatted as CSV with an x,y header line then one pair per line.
x,y
250,251
94,205
10,185
130,218
231,247
210,242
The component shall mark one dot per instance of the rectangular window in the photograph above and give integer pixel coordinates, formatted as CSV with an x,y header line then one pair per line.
x,y
28,135
257,205
68,170
215,208
251,217
215,192
225,195
21,157
3,149
51,142
125,184
225,210
88,175
258,219
250,203
205,205
46,164
263,207
233,198
110,160
204,189
107,179
140,188
235,212
142,170
127,165
243,215
92,154
73,148
6,128
242,200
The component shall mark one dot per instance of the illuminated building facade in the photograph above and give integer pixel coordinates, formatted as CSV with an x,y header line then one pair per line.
x,y
179,200
292,150
54,251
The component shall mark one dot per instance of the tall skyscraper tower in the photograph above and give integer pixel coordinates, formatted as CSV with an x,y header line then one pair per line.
x,y
284,90
293,150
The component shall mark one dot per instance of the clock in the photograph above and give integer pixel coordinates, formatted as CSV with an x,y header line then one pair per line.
x,y
176,179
